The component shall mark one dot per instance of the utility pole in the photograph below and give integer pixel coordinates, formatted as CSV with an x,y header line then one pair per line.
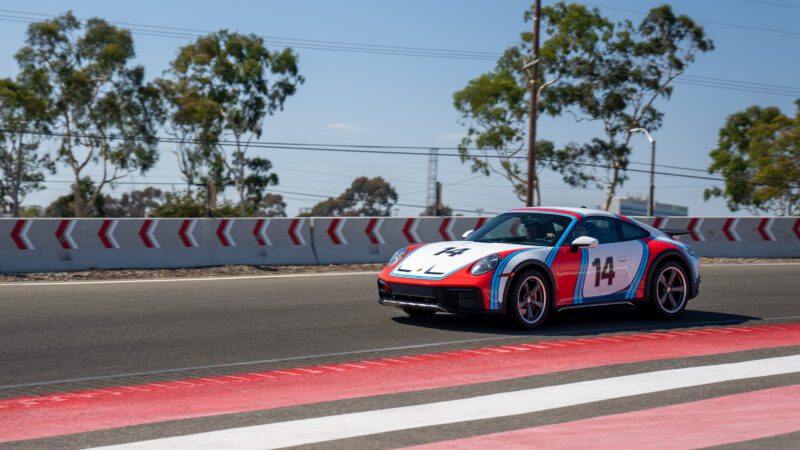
x,y
650,198
533,65
433,167
438,209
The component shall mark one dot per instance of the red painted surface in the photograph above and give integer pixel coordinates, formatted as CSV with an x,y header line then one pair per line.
x,y
481,220
293,232
407,231
734,418
103,234
62,228
726,228
657,222
182,233
257,232
556,210
15,235
443,229
796,228
567,264
74,412
370,231
332,232
143,233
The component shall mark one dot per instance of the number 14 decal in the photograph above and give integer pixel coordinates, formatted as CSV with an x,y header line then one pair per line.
x,y
607,273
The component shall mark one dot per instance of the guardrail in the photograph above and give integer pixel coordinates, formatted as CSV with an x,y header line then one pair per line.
x,y
35,245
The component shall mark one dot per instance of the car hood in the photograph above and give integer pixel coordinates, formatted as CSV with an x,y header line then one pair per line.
x,y
441,259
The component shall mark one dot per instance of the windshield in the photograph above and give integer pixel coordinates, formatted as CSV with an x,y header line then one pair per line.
x,y
523,228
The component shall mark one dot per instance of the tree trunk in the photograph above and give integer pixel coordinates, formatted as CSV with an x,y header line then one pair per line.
x,y
76,198
612,188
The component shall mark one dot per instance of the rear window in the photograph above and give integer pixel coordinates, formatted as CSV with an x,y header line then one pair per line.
x,y
631,232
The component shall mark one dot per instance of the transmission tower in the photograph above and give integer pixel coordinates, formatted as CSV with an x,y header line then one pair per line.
x,y
433,168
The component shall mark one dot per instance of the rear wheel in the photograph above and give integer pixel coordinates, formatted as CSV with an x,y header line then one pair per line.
x,y
669,291
529,300
419,313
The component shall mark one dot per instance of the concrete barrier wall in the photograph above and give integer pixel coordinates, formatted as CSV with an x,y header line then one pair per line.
x,y
32,245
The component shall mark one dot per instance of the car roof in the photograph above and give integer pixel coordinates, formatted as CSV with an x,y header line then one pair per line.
x,y
575,212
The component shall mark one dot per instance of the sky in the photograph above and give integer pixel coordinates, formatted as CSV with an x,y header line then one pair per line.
x,y
376,99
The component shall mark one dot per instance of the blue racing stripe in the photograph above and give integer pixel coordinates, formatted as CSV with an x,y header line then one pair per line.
x,y
640,272
578,296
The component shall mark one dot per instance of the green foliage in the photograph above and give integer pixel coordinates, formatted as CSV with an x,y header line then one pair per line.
x,y
226,84
758,154
64,206
364,197
23,109
134,204
590,68
106,111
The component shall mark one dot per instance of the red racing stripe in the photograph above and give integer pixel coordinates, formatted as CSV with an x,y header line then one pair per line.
x,y
91,410
700,424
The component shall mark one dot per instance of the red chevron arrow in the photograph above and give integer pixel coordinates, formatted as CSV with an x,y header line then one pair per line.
x,y
106,233
410,231
765,229
20,234
186,233
335,233
260,232
224,232
694,229
64,234
729,228
796,228
294,228
444,229
147,233
373,231
479,223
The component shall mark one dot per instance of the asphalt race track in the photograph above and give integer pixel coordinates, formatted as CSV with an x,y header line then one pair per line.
x,y
66,337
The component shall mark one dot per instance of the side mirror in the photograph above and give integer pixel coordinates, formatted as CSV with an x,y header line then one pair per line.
x,y
584,241
466,234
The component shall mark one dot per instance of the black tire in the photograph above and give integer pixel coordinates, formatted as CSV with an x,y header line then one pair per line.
x,y
669,291
528,302
419,313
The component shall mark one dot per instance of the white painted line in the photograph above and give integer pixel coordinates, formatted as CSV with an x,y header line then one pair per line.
x,y
343,426
173,280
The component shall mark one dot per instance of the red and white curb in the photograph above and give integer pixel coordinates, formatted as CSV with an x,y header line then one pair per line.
x,y
112,407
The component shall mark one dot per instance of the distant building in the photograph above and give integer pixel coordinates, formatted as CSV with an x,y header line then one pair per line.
x,y
638,207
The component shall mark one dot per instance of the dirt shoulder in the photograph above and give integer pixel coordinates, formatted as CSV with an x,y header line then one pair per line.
x,y
242,270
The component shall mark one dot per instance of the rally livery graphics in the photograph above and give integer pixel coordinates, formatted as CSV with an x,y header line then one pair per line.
x,y
530,261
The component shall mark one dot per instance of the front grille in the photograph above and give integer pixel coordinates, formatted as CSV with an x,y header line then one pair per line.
x,y
456,299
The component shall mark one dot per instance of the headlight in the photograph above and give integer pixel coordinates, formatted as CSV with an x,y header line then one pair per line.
x,y
485,264
398,255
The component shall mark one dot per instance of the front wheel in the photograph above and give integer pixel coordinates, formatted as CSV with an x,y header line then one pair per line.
x,y
529,300
669,291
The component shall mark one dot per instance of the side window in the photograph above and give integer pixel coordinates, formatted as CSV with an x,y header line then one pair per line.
x,y
630,232
600,228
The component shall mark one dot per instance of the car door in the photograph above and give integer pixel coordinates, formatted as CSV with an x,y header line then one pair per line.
x,y
605,273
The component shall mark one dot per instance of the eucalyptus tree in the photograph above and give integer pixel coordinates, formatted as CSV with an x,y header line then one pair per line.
x,y
104,112
246,82
24,118
592,69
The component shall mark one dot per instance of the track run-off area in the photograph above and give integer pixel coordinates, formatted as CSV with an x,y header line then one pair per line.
x,y
313,360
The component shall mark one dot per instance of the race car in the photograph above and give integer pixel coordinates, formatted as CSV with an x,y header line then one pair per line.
x,y
529,262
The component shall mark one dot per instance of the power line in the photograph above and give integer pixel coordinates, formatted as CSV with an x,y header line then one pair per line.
x,y
396,50
710,22
782,5
407,153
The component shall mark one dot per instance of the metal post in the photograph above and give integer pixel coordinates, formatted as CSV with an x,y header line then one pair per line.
x,y
438,208
534,100
651,197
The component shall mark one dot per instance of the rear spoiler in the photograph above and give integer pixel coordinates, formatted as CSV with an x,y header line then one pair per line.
x,y
672,232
